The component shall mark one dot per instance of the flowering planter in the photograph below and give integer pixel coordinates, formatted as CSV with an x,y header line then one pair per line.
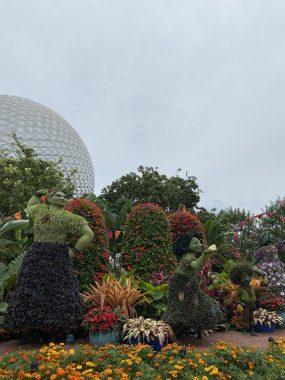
x,y
103,337
264,328
156,346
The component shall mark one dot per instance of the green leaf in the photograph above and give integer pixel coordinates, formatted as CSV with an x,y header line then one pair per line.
x,y
3,307
13,225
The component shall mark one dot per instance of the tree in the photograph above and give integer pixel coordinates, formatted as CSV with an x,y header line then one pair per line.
x,y
148,185
26,173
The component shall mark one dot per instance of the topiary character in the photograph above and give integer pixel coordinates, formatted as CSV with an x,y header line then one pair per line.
x,y
93,263
189,309
242,274
147,244
269,259
46,297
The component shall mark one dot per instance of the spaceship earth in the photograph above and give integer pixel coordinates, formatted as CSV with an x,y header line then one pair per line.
x,y
49,134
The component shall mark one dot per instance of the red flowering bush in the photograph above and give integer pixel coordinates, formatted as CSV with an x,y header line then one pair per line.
x,y
272,303
91,264
147,245
183,221
100,319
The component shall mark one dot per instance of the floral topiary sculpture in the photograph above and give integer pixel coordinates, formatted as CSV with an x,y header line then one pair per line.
x,y
183,221
93,263
147,244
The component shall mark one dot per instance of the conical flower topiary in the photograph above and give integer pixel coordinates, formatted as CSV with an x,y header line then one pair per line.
x,y
183,221
147,243
93,263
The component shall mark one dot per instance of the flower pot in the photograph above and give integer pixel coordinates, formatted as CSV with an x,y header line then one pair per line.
x,y
156,346
101,338
264,328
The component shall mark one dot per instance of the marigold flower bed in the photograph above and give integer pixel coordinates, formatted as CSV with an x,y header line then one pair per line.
x,y
223,361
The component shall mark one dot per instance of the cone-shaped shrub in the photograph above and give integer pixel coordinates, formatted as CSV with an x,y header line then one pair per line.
x,y
147,243
183,221
92,263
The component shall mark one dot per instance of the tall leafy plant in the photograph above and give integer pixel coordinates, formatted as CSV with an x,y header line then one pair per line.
x,y
147,243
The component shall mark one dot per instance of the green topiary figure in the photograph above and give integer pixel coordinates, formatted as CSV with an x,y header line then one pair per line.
x,y
93,263
242,274
147,245
46,297
189,309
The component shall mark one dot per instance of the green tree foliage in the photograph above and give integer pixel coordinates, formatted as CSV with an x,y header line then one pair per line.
x,y
147,243
148,185
24,174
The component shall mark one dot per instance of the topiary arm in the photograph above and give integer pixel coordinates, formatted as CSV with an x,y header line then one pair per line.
x,y
198,264
35,201
86,236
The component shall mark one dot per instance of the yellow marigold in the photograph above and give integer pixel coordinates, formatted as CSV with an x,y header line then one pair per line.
x,y
90,364
108,371
215,371
173,373
178,367
250,365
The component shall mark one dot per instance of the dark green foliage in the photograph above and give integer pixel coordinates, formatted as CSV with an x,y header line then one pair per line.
x,y
157,300
23,175
15,236
148,185
46,296
147,244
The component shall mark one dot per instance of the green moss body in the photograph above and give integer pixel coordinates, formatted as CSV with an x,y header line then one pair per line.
x,y
189,308
55,226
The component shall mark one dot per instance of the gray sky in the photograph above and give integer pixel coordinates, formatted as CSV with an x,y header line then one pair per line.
x,y
168,83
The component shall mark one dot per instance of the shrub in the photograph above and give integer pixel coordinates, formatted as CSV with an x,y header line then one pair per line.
x,y
183,221
100,319
222,361
122,294
147,246
92,263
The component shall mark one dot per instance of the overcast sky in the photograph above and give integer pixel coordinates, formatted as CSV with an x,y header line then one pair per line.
x,y
170,83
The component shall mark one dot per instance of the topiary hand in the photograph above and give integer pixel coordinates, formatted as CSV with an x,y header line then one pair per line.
x,y
211,249
42,192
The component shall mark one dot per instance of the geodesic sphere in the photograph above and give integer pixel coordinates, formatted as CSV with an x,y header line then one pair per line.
x,y
49,134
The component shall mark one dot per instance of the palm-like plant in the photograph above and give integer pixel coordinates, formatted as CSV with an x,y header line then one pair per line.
x,y
122,294
8,277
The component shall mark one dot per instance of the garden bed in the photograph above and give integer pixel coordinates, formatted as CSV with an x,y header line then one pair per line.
x,y
222,360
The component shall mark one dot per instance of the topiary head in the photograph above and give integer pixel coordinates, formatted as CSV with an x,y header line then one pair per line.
x,y
57,198
241,274
189,242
